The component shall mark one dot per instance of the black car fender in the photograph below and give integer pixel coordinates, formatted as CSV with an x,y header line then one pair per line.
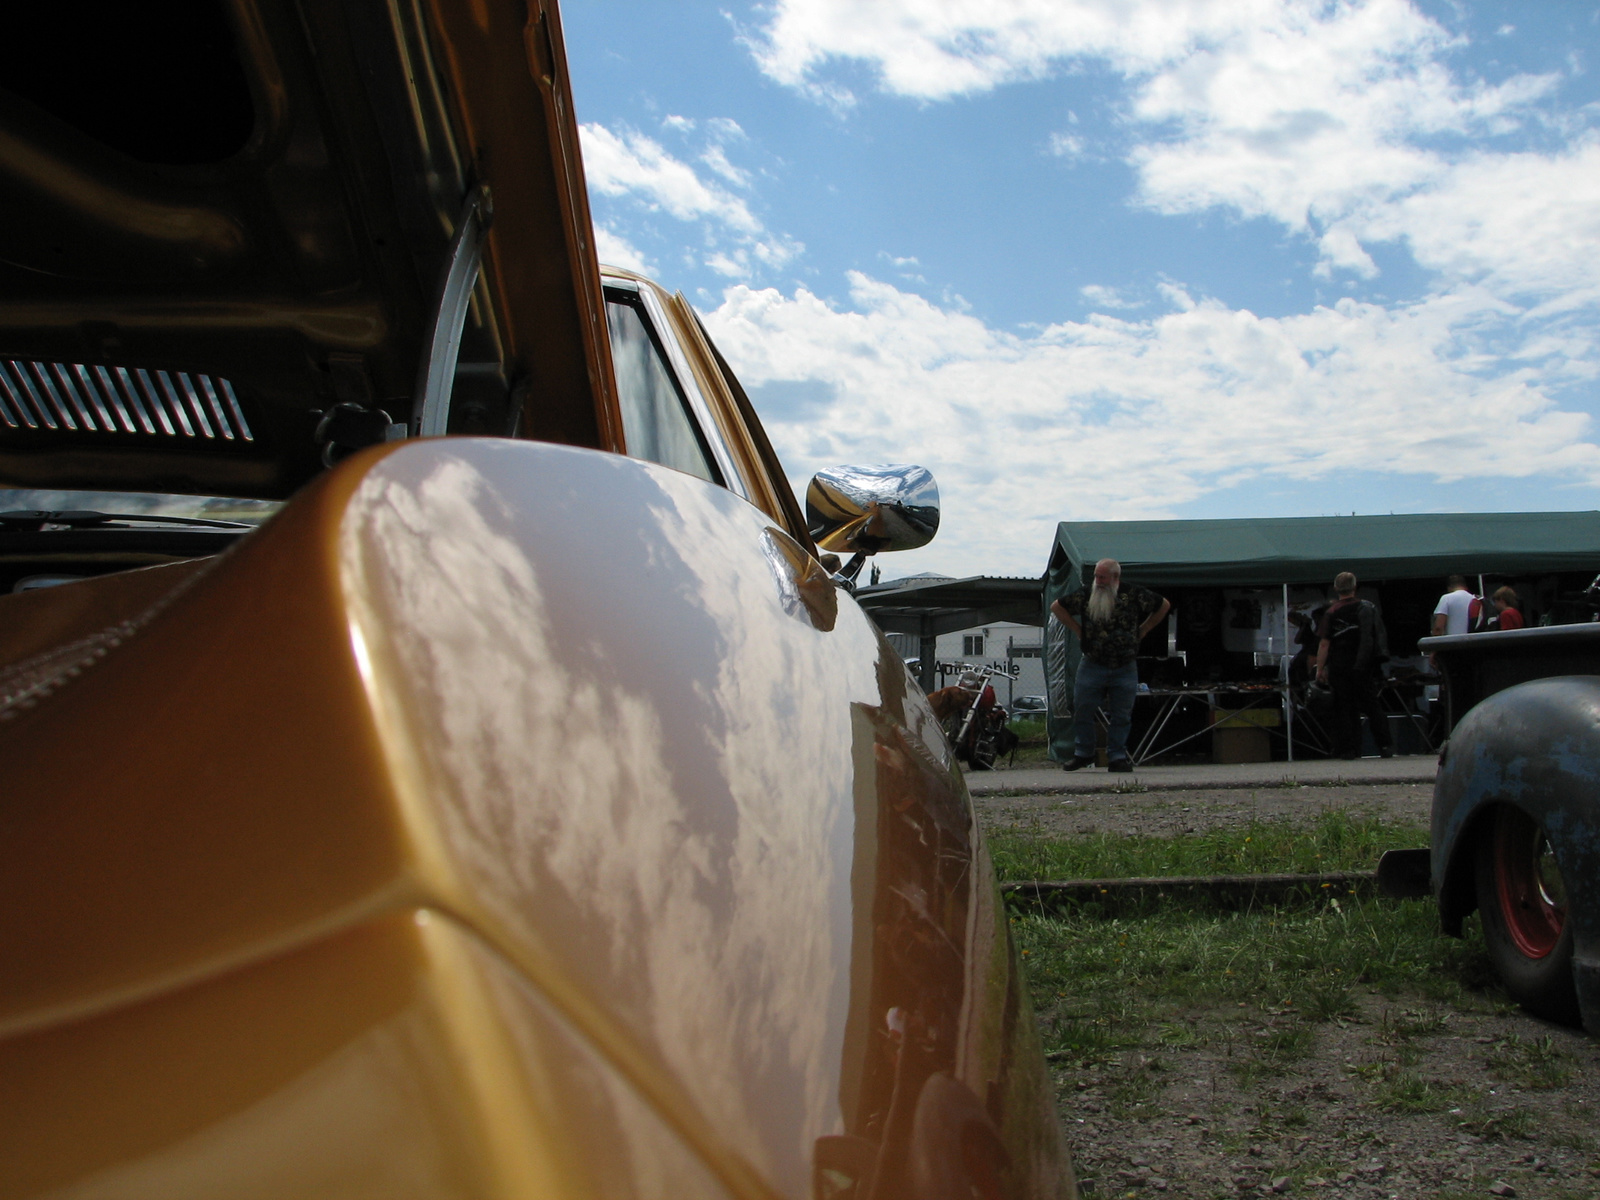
x,y
1536,746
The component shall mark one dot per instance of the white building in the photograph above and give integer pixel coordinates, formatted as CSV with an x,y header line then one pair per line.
x,y
998,644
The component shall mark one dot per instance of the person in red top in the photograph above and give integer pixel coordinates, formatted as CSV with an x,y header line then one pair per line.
x,y
1505,604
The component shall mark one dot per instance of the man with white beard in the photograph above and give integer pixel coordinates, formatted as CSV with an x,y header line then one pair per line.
x,y
1109,620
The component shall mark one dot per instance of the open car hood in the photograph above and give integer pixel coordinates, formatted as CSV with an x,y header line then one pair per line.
x,y
226,225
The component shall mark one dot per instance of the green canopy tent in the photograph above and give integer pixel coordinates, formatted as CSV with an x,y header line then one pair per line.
x,y
1269,551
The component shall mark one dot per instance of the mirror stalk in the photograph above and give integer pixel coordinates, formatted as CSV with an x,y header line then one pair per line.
x,y
846,576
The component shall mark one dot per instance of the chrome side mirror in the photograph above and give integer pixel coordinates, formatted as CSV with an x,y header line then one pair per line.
x,y
865,510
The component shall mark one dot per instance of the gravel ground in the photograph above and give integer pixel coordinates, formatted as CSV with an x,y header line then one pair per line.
x,y
1185,1121
1170,813
1507,1103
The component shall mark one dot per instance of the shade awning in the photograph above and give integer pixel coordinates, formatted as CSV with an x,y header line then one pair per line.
x,y
930,607
1274,550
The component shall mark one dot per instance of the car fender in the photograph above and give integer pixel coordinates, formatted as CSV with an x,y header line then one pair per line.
x,y
1535,745
607,723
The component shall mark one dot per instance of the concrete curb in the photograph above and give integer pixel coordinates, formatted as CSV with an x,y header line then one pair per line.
x,y
1228,891
1133,785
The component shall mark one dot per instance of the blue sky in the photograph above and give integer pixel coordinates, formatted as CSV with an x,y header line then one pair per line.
x,y
1094,260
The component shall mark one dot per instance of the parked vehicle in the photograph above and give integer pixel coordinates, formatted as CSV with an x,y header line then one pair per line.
x,y
1029,707
527,812
1515,811
980,730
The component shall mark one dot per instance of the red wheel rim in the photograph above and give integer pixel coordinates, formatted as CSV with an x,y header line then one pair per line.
x,y
1533,899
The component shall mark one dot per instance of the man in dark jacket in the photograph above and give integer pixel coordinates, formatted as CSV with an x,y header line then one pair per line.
x,y
1348,662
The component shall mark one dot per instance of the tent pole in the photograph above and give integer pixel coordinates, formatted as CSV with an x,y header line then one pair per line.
x,y
1288,695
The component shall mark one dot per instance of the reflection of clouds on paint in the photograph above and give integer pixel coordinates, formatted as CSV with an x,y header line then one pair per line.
x,y
614,1143
637,760
366,1115
783,747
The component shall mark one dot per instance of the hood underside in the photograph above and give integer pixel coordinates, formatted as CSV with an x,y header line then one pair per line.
x,y
224,228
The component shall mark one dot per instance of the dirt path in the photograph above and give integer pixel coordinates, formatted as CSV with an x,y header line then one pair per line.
x,y
1397,1099
1191,1120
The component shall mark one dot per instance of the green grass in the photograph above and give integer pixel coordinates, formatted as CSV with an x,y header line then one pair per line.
x,y
1034,746
1397,1088
1496,1125
1115,992
1337,841
1104,984
1534,1063
1030,729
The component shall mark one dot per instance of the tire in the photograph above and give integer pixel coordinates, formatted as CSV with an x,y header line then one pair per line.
x,y
1525,922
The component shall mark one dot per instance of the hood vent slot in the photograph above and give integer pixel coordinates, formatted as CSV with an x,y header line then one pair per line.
x,y
73,397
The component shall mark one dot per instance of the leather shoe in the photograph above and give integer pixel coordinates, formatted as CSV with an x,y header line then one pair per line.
x,y
1076,763
1120,765
1386,752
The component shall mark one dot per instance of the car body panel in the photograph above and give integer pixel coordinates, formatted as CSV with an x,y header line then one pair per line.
x,y
604,718
499,818
401,1057
1535,745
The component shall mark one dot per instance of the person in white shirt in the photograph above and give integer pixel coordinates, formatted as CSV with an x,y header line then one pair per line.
x,y
1453,613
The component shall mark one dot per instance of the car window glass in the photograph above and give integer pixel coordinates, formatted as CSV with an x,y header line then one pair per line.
x,y
655,415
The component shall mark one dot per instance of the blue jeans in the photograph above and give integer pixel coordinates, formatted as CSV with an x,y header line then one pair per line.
x,y
1111,688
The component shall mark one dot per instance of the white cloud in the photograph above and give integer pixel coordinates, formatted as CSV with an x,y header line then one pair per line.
x,y
1314,118
1115,419
1526,225
1176,296
717,159
633,163
614,250
1343,122
1105,297
1341,250
1349,124
726,129
628,165
934,49
1066,145
1327,119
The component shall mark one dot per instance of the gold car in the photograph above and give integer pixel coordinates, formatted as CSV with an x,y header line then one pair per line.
x,y
526,812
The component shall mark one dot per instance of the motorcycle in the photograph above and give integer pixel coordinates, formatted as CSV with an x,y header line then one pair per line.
x,y
984,733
